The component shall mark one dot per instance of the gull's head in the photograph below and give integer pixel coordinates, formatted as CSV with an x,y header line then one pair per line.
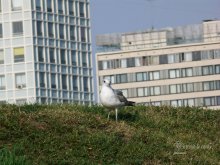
x,y
106,82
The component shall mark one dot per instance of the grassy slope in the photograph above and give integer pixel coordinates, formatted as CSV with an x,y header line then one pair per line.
x,y
72,134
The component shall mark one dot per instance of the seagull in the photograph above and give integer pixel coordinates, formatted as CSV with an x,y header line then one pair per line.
x,y
113,99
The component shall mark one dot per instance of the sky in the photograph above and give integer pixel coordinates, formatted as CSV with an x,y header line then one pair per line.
x,y
119,16
109,16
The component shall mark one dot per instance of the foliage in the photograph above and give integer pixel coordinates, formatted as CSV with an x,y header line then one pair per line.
x,y
74,134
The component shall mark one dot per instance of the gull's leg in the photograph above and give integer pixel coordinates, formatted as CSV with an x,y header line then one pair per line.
x,y
116,114
108,114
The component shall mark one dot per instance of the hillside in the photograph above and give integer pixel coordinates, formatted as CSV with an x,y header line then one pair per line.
x,y
73,134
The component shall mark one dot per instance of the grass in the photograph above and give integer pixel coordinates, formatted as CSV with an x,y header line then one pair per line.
x,y
74,134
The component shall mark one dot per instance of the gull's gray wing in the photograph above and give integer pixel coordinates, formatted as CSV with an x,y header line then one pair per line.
x,y
120,96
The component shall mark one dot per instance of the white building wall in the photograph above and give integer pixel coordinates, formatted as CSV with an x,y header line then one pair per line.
x,y
8,43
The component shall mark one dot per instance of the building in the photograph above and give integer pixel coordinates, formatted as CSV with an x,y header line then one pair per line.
x,y
45,51
172,66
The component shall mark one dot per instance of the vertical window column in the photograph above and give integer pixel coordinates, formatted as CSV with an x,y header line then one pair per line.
x,y
81,9
16,4
53,81
50,30
72,33
83,34
39,28
63,56
17,28
1,31
40,54
49,6
42,79
61,29
64,82
52,57
38,5
2,82
20,80
18,54
71,8
2,57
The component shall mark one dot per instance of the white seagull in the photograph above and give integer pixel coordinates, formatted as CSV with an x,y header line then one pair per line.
x,y
112,99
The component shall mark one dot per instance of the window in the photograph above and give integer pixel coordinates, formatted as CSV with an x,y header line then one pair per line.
x,y
187,87
174,73
61,28
205,55
42,79
60,6
75,83
209,85
85,84
141,61
20,80
217,69
123,63
84,59
83,34
40,54
53,81
121,78
131,62
1,32
1,57
186,56
39,28
18,54
173,58
187,72
117,63
175,88
154,75
52,57
71,10
74,60
217,53
50,30
0,6
176,103
154,60
49,5
16,4
207,70
140,92
72,33
209,101
217,85
63,56
196,56
81,9
17,28
38,5
188,102
141,76
218,100
155,91
163,59
64,82
2,82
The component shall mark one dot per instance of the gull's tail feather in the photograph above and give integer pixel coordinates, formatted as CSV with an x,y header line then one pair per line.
x,y
130,103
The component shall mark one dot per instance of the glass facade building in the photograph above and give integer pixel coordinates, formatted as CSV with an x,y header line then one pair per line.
x,y
172,66
45,51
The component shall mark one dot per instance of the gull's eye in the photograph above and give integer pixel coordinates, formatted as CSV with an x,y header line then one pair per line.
x,y
104,81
